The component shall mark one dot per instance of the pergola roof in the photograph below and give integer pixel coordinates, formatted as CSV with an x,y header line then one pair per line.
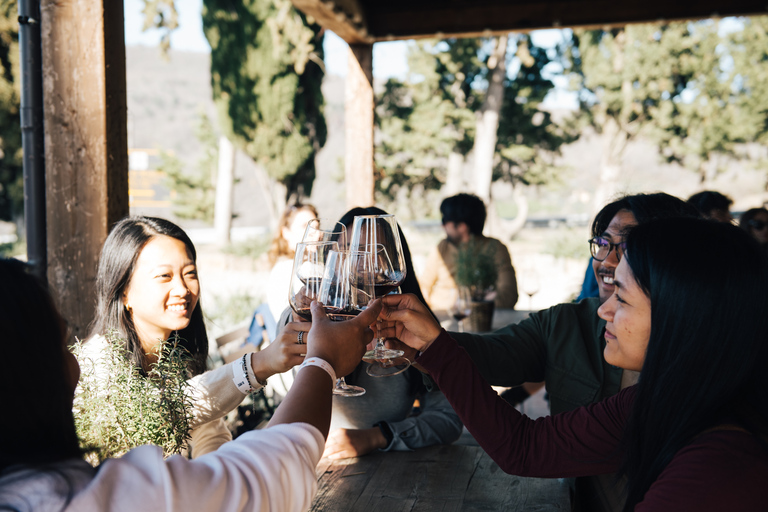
x,y
370,21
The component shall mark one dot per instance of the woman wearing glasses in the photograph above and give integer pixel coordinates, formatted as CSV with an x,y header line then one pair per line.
x,y
688,311
755,222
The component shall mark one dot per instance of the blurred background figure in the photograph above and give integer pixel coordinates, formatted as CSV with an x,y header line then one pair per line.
x,y
463,217
755,222
713,205
281,251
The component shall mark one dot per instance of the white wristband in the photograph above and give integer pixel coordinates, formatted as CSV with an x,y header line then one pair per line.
x,y
240,376
321,363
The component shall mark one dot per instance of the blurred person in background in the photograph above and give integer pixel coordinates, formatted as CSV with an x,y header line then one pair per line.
x,y
463,217
713,205
755,222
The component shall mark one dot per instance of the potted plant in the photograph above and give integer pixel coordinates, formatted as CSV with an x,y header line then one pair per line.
x,y
476,270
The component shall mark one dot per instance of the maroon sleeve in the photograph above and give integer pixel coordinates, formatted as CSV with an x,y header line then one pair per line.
x,y
582,442
720,470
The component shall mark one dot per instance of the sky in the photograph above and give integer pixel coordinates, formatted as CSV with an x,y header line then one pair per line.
x,y
389,58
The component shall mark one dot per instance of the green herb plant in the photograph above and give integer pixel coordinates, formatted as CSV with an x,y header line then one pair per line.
x,y
476,269
117,408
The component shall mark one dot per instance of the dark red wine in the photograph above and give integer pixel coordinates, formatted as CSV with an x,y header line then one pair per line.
x,y
459,316
341,314
304,313
386,284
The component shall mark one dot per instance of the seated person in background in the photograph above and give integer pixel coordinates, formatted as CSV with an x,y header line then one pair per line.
x,y
463,217
713,205
693,433
41,463
289,232
563,345
384,417
755,222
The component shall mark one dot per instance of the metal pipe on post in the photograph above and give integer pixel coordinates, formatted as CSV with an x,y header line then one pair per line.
x,y
32,136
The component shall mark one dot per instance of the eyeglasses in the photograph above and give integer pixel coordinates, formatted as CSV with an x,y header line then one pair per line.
x,y
757,224
601,247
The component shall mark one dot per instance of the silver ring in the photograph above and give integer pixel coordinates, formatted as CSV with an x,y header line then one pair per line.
x,y
301,337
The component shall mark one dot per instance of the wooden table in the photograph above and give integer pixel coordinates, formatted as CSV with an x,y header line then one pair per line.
x,y
438,478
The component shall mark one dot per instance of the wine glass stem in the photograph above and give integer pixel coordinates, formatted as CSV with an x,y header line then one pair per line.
x,y
461,325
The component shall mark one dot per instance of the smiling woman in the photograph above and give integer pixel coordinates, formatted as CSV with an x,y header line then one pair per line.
x,y
147,290
688,309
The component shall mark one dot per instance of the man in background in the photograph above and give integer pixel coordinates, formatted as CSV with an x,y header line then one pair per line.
x,y
713,205
463,220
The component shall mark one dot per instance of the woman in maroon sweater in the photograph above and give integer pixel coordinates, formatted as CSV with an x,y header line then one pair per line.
x,y
689,310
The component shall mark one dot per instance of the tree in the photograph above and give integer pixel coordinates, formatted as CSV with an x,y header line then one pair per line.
x,y
684,85
266,72
429,122
11,172
196,188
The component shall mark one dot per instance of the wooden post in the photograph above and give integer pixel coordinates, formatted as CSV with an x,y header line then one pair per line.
x,y
358,120
86,153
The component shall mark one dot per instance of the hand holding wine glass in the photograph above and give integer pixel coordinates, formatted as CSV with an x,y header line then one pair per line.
x,y
380,235
345,294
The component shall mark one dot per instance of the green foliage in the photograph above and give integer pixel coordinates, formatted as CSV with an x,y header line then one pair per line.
x,y
11,173
695,91
251,248
432,114
476,268
266,72
162,15
195,189
117,409
231,310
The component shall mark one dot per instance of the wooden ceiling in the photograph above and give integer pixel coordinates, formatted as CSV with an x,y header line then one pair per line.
x,y
370,21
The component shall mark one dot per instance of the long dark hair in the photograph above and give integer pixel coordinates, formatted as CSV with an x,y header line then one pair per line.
x,y
116,266
645,208
410,283
38,428
707,353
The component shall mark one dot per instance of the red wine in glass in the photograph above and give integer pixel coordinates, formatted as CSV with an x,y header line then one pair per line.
x,y
387,284
341,314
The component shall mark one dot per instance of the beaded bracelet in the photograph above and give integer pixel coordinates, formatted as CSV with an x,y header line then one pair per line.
x,y
320,363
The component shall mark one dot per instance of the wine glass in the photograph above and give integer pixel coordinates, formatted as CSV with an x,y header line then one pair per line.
x,y
324,230
307,276
344,294
462,307
529,283
380,235
389,367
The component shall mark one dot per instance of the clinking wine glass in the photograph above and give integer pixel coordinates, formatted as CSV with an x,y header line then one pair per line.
x,y
380,235
307,276
462,308
344,294
389,367
324,230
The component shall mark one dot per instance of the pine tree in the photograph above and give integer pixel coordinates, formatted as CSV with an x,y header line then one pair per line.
x,y
11,172
266,72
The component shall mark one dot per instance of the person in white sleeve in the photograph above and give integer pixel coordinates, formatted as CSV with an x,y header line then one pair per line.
x,y
41,463
147,289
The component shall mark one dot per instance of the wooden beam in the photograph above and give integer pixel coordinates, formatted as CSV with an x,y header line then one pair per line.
x,y
400,20
405,19
86,153
358,121
346,18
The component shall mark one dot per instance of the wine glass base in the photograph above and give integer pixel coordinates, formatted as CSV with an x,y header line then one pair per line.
x,y
379,355
348,390
388,368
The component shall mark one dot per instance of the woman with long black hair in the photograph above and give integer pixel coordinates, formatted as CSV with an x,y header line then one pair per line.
x,y
688,312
